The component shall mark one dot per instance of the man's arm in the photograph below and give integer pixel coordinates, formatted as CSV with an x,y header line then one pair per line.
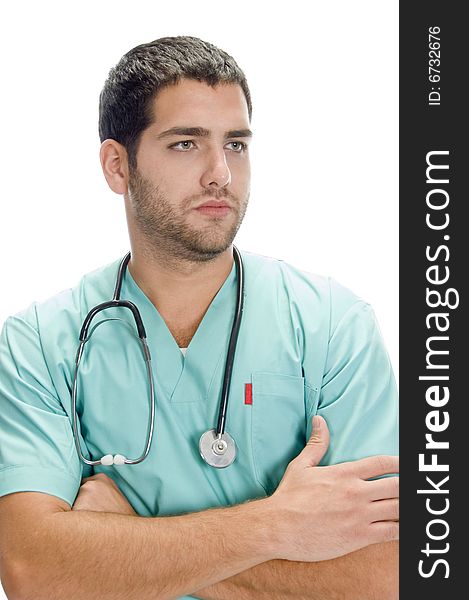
x,y
48,551
55,552
99,556
367,574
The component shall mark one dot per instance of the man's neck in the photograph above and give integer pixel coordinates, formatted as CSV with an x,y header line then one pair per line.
x,y
180,290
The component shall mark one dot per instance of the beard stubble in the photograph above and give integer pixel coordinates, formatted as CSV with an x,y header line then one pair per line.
x,y
166,229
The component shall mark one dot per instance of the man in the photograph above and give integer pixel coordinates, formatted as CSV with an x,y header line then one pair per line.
x,y
174,126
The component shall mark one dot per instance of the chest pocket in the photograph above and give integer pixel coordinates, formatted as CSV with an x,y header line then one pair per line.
x,y
278,430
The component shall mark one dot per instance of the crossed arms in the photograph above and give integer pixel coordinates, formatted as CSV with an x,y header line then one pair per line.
x,y
321,535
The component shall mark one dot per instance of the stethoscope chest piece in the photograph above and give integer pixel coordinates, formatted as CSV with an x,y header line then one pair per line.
x,y
217,451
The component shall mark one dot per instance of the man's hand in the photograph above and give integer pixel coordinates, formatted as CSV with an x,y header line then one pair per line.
x,y
329,506
100,493
326,512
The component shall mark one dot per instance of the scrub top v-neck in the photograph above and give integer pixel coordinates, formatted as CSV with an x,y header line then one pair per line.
x,y
186,377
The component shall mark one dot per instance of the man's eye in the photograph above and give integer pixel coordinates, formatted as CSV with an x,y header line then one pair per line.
x,y
238,146
183,146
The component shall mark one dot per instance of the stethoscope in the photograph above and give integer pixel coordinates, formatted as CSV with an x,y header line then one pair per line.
x,y
216,446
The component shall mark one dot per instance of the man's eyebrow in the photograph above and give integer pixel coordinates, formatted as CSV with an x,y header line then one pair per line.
x,y
202,132
236,133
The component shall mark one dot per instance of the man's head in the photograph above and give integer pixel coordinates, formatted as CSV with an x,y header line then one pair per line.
x,y
126,102
174,122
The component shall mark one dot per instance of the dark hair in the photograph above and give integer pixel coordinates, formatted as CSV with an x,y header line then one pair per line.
x,y
125,102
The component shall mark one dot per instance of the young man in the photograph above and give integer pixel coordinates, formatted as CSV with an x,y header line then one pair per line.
x,y
175,131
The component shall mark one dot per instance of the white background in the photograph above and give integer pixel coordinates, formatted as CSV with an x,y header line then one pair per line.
x,y
323,78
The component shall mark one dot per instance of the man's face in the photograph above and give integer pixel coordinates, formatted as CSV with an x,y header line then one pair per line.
x,y
194,152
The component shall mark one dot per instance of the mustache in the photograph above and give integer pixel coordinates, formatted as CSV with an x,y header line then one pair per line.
x,y
220,194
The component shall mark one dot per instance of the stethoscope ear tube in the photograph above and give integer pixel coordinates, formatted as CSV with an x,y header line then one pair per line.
x,y
117,459
120,276
112,304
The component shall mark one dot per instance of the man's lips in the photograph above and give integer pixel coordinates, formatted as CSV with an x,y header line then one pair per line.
x,y
214,207
214,203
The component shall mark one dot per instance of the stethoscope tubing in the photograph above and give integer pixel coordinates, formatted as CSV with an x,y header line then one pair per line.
x,y
118,459
221,421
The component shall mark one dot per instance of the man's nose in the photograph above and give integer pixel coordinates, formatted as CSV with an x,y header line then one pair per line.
x,y
217,171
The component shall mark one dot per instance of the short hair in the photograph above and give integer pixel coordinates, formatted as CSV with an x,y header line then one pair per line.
x,y
126,100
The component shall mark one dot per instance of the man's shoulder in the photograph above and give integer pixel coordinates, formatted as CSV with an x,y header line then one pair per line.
x,y
306,288
72,304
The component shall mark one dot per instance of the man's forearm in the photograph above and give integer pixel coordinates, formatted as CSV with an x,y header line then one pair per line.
x,y
368,574
93,555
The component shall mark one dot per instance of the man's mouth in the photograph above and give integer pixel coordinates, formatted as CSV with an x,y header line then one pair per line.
x,y
217,208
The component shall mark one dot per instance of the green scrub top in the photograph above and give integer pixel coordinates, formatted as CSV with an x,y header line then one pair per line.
x,y
306,346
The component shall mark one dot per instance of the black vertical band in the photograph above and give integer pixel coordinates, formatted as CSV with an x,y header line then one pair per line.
x,y
433,268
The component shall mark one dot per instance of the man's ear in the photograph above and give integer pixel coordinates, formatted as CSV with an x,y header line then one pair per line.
x,y
115,165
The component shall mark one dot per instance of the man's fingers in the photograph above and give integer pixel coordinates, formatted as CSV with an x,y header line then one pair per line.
x,y
381,489
384,510
317,443
384,531
374,466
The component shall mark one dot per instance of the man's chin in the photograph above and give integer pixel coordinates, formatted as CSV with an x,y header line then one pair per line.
x,y
209,241
207,252
204,248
